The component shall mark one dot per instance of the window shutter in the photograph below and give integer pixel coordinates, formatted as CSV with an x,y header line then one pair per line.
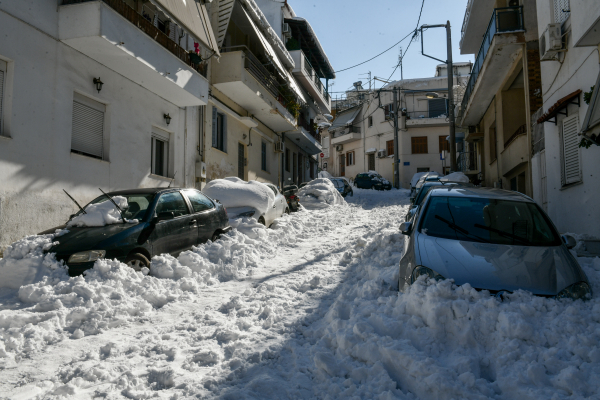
x,y
437,107
88,126
571,150
561,16
225,133
215,141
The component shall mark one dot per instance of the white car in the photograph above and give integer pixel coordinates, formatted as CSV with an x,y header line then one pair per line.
x,y
278,209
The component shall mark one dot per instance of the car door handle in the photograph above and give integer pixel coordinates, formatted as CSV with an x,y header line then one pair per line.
x,y
192,222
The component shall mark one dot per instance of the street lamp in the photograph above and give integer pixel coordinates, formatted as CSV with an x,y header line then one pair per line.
x,y
167,118
98,84
432,95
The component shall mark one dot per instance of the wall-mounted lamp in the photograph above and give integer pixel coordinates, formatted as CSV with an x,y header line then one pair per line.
x,y
167,118
98,84
432,95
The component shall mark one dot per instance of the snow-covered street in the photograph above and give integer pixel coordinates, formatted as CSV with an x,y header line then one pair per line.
x,y
307,309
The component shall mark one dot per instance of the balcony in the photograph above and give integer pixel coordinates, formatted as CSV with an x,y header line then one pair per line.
x,y
310,80
306,136
115,35
242,77
415,119
498,52
468,162
347,135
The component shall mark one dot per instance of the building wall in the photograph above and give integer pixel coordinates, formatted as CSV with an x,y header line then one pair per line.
x,y
571,207
36,163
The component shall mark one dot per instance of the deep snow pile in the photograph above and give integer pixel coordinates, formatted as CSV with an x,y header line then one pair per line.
x,y
320,193
101,214
325,174
234,192
455,177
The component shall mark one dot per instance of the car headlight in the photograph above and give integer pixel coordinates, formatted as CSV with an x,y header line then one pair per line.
x,y
421,270
247,214
579,290
86,256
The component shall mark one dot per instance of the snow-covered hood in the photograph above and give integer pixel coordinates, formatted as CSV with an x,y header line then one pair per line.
x,y
89,238
540,270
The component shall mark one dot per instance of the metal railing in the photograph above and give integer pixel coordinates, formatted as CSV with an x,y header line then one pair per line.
x,y
310,71
506,19
467,161
424,115
347,130
302,122
148,28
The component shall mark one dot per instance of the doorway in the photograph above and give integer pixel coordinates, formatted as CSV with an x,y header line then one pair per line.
x,y
371,162
343,165
241,160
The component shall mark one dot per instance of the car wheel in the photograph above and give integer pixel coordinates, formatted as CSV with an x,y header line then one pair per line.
x,y
216,236
137,261
262,221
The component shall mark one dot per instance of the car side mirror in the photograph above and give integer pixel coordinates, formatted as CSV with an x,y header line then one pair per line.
x,y
165,215
570,241
406,227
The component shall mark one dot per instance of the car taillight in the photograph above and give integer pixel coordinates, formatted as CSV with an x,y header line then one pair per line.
x,y
292,197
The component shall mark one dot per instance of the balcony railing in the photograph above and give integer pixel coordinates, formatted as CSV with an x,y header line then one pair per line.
x,y
310,71
467,161
425,114
148,28
302,122
507,19
347,130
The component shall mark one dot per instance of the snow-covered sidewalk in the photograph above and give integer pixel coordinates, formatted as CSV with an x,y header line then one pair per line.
x,y
308,309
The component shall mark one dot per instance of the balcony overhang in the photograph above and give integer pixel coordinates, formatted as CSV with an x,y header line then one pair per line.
x,y
236,82
303,139
306,76
505,51
473,136
475,24
515,155
96,30
426,122
347,138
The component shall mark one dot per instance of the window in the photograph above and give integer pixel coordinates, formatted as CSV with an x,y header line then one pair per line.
x,y
371,161
87,137
370,122
219,131
562,10
388,111
422,169
172,202
2,80
389,147
350,158
263,156
419,144
437,107
444,145
570,150
160,152
199,201
287,160
137,204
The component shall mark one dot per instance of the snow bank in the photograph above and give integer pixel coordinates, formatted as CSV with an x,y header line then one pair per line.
x,y
325,174
101,214
320,193
234,192
455,177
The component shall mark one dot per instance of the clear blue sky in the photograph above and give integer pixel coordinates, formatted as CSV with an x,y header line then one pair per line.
x,y
353,31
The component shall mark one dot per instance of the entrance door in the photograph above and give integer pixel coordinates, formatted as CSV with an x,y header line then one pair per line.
x,y
371,162
241,160
343,165
177,234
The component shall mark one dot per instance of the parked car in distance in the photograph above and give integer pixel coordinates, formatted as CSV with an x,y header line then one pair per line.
x,y
278,209
290,193
499,240
171,220
342,186
371,180
422,179
423,191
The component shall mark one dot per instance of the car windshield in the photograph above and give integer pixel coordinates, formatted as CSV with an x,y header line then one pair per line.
x,y
138,204
423,192
338,183
488,220
362,176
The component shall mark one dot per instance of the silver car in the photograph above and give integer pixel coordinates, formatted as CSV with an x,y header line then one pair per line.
x,y
493,239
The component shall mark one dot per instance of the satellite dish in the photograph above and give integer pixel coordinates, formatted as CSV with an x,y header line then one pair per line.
x,y
328,116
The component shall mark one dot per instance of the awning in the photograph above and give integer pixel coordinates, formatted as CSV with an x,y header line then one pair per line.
x,y
559,105
371,151
310,45
269,51
346,118
192,17
294,85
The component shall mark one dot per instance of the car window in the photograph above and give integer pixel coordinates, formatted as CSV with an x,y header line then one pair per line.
x,y
199,201
137,204
488,220
274,189
423,192
172,202
361,176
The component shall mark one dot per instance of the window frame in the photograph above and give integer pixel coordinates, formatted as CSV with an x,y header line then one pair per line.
x,y
86,103
185,201
370,121
413,145
443,143
219,130
350,160
389,147
185,193
159,135
387,111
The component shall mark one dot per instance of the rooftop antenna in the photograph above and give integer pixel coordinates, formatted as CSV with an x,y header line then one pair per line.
x,y
118,208
369,73
400,57
175,174
75,201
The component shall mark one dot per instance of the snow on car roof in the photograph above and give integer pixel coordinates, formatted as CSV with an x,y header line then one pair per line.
x,y
488,193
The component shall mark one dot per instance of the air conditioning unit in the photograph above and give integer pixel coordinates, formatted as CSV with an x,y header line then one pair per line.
x,y
550,42
279,147
339,147
382,154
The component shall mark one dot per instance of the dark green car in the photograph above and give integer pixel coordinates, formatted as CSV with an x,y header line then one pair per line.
x,y
171,220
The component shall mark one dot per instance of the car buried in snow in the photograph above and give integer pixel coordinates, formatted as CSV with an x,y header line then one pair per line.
x,y
492,239
342,186
169,220
371,180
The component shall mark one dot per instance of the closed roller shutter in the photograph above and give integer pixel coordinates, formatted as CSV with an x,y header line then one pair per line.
x,y
88,127
571,150
437,107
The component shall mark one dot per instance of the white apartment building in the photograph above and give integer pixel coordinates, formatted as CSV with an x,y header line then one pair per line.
x,y
361,137
565,179
61,129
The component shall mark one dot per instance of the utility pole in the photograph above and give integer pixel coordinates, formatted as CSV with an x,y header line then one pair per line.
x,y
450,74
396,160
